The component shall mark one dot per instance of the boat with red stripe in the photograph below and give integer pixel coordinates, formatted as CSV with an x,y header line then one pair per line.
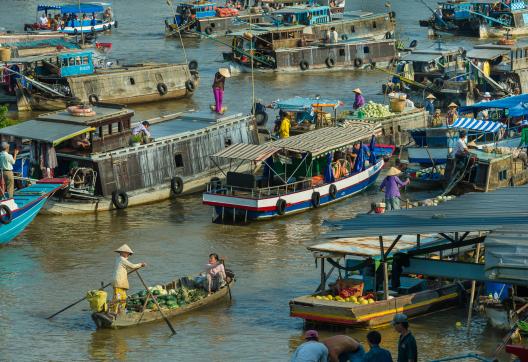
x,y
294,174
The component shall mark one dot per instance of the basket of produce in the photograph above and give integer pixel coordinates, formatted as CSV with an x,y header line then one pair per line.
x,y
375,110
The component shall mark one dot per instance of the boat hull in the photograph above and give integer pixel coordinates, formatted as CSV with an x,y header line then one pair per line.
x,y
376,314
499,317
266,208
421,156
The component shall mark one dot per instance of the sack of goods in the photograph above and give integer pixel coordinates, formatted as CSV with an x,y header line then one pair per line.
x,y
375,110
97,300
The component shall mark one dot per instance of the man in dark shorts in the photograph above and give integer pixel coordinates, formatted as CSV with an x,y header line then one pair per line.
x,y
407,349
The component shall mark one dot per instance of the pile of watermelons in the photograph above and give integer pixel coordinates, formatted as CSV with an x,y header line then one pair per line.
x,y
172,299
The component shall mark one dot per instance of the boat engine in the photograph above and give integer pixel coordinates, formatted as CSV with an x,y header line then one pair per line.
x,y
82,180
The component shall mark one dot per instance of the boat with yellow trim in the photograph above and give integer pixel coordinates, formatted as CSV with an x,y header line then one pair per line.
x,y
365,296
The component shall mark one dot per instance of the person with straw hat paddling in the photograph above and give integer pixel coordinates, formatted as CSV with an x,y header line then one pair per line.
x,y
120,283
360,100
391,186
452,113
218,88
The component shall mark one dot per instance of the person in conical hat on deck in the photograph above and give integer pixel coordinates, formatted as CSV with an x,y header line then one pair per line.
x,y
218,88
391,186
360,100
452,113
120,283
429,104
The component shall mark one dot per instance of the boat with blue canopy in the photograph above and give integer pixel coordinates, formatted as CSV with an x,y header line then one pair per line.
x,y
73,19
18,212
294,174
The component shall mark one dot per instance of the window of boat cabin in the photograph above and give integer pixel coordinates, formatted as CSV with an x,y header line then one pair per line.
x,y
366,49
178,160
374,25
353,29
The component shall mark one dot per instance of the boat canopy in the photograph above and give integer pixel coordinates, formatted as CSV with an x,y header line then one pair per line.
x,y
477,125
422,57
48,132
247,152
486,54
304,104
506,254
73,9
503,103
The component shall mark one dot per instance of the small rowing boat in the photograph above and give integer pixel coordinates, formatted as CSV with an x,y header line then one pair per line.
x,y
175,298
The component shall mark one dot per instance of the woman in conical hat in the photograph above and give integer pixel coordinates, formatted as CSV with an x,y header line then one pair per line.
x,y
391,186
218,88
120,283
452,113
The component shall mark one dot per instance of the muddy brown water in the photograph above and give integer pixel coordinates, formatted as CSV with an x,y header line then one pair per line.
x,y
59,258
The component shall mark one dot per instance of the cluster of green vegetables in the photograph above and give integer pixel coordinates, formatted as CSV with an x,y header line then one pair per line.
x,y
172,299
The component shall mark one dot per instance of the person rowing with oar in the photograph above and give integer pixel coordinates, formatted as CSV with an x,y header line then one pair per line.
x,y
120,283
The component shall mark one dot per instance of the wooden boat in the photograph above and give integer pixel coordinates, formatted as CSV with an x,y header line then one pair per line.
x,y
294,174
18,212
111,172
135,318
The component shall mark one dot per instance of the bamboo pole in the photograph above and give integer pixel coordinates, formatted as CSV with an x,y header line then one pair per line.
x,y
472,296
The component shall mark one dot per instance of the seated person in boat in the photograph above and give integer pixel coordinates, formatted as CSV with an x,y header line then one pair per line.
x,y
376,353
107,15
143,131
215,274
80,142
311,350
120,283
43,21
340,166
353,154
343,348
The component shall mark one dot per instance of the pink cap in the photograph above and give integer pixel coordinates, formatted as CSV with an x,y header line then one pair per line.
x,y
311,334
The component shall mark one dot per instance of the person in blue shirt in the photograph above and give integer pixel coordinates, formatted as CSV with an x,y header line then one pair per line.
x,y
376,353
312,350
429,104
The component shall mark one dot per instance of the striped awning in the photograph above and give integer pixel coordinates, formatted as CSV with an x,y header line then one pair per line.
x,y
477,125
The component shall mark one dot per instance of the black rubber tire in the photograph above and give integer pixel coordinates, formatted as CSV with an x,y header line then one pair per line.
x,y
261,118
177,185
193,65
208,30
7,215
332,191
316,199
304,65
439,82
281,206
93,99
162,89
388,35
330,62
358,62
105,28
120,199
75,32
115,24
392,15
190,86
344,37
413,44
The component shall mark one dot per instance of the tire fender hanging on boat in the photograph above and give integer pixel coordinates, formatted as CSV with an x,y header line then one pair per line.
x,y
93,99
316,199
190,86
281,206
332,191
330,62
193,65
6,214
358,62
176,185
75,31
208,30
120,199
304,65
162,89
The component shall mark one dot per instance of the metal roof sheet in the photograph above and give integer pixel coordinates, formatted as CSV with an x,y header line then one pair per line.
x,y
50,132
247,152
64,116
421,57
507,254
489,54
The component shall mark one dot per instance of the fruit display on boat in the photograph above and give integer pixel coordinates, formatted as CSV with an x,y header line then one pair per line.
x,y
362,300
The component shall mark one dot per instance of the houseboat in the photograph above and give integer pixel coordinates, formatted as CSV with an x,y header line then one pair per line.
x,y
483,19
108,170
196,19
73,19
294,174
361,297
56,81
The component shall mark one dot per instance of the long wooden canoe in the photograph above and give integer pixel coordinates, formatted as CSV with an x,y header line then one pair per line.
x,y
382,312
131,318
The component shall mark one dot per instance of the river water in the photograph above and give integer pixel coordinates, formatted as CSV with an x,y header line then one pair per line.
x,y
59,258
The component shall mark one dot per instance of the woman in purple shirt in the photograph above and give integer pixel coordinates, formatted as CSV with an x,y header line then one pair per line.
x,y
360,100
391,185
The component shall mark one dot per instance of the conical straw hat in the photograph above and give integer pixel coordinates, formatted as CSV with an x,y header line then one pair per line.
x,y
430,96
225,72
453,104
357,90
393,171
124,249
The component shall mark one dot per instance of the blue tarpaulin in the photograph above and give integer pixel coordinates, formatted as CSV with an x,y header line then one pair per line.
x,y
372,146
477,125
73,9
328,173
519,110
359,164
503,103
303,104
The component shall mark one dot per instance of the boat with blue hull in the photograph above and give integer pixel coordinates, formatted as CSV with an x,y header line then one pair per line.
x,y
18,212
294,174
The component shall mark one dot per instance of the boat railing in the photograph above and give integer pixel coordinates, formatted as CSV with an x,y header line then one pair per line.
x,y
216,187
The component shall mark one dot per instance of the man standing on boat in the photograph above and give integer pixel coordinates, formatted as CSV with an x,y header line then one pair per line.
x,y
407,349
122,267
391,185
429,104
285,125
312,350
6,163
360,100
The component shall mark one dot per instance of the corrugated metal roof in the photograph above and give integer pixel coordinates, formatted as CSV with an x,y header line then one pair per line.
x,y
507,254
247,152
50,132
100,113
470,212
489,54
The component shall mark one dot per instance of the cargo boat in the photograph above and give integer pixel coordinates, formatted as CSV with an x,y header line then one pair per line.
x,y
109,173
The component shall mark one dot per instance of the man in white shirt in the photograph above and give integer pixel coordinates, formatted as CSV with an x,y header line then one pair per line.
x,y
461,147
6,165
43,20
333,35
120,283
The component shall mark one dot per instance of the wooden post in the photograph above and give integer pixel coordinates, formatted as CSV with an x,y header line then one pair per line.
x,y
323,275
472,296
385,271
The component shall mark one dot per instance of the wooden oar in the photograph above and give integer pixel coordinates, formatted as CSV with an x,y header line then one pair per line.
x,y
80,300
156,301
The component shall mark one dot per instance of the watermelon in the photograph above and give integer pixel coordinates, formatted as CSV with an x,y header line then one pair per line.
x,y
143,293
156,292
